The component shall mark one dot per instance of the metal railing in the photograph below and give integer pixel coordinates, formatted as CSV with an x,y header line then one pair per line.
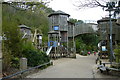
x,y
21,72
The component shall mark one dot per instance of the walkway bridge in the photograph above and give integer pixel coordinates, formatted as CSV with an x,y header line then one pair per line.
x,y
84,28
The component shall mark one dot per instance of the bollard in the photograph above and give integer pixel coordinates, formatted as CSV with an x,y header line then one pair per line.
x,y
23,66
74,55
23,63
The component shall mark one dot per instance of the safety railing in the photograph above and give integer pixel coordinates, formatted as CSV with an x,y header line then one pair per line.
x,y
21,72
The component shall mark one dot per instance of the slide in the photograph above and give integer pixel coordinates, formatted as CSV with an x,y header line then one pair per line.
x,y
48,50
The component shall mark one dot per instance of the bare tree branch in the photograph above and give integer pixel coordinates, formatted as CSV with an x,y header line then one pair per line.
x,y
81,4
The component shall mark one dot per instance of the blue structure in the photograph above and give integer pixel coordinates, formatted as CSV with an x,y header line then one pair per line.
x,y
56,28
52,43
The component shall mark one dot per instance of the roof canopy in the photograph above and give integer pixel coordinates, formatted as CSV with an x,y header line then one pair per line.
x,y
53,32
58,13
106,19
24,26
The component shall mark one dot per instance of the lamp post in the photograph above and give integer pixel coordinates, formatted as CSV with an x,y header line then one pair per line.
x,y
111,7
111,47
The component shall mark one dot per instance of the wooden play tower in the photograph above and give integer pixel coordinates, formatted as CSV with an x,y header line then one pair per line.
x,y
58,34
104,33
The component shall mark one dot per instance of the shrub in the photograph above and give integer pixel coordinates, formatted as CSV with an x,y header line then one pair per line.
x,y
15,62
117,54
34,56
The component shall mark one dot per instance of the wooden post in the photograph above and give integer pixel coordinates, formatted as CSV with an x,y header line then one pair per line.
x,y
0,59
23,63
118,20
67,45
74,49
34,36
0,67
55,52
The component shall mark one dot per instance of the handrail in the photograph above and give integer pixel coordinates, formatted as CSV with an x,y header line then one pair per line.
x,y
7,77
109,63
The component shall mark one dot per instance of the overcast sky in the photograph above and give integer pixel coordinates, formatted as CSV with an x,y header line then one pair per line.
x,y
68,7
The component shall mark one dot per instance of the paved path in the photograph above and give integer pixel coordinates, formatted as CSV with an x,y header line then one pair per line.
x,y
81,67
68,68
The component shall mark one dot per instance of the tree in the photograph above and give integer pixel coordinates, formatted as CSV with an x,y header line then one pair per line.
x,y
12,43
91,3
99,3
75,20
86,42
12,17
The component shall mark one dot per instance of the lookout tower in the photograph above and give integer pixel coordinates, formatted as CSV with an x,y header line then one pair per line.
x,y
104,33
58,32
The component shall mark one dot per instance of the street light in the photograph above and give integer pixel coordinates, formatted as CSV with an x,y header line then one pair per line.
x,y
111,6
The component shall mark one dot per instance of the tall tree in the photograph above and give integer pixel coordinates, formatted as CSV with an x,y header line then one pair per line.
x,y
12,16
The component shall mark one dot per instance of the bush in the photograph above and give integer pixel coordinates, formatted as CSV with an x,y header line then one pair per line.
x,y
117,50
15,62
117,54
34,56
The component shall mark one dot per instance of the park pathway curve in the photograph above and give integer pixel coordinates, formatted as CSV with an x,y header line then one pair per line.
x,y
81,67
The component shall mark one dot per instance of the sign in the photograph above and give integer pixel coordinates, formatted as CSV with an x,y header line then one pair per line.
x,y
40,37
104,48
56,28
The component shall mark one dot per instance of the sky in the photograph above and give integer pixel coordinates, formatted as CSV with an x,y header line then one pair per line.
x,y
84,14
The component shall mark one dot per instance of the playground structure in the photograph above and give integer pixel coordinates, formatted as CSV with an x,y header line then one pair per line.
x,y
62,32
58,34
61,42
25,31
104,33
35,37
107,61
